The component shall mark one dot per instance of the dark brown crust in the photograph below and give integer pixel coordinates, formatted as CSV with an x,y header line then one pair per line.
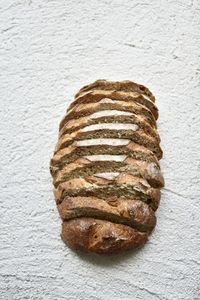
x,y
108,203
71,153
138,137
133,213
97,95
87,109
126,86
100,236
125,185
75,125
83,167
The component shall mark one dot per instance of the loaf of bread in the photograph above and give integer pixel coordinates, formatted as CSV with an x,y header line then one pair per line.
x,y
105,167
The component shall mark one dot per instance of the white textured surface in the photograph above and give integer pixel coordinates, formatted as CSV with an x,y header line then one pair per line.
x,y
48,50
105,113
102,157
103,141
120,126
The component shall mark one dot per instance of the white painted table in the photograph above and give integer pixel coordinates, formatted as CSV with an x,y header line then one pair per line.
x,y
48,50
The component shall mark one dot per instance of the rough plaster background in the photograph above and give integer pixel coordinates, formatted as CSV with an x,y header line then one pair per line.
x,y
48,50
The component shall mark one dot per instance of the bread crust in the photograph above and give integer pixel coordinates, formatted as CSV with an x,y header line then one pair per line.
x,y
137,136
73,152
126,86
100,236
84,167
75,125
97,95
133,213
105,168
87,109
125,185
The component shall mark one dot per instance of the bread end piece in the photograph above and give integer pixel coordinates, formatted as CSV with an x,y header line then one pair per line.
x,y
100,236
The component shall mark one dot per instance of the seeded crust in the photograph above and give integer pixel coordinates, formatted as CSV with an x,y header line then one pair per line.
x,y
136,136
75,125
126,86
105,168
125,185
95,96
73,152
87,109
101,236
134,213
83,167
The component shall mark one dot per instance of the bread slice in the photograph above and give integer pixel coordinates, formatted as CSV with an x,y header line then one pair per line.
x,y
83,167
126,86
97,95
101,236
124,185
138,136
117,117
87,109
73,152
134,213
